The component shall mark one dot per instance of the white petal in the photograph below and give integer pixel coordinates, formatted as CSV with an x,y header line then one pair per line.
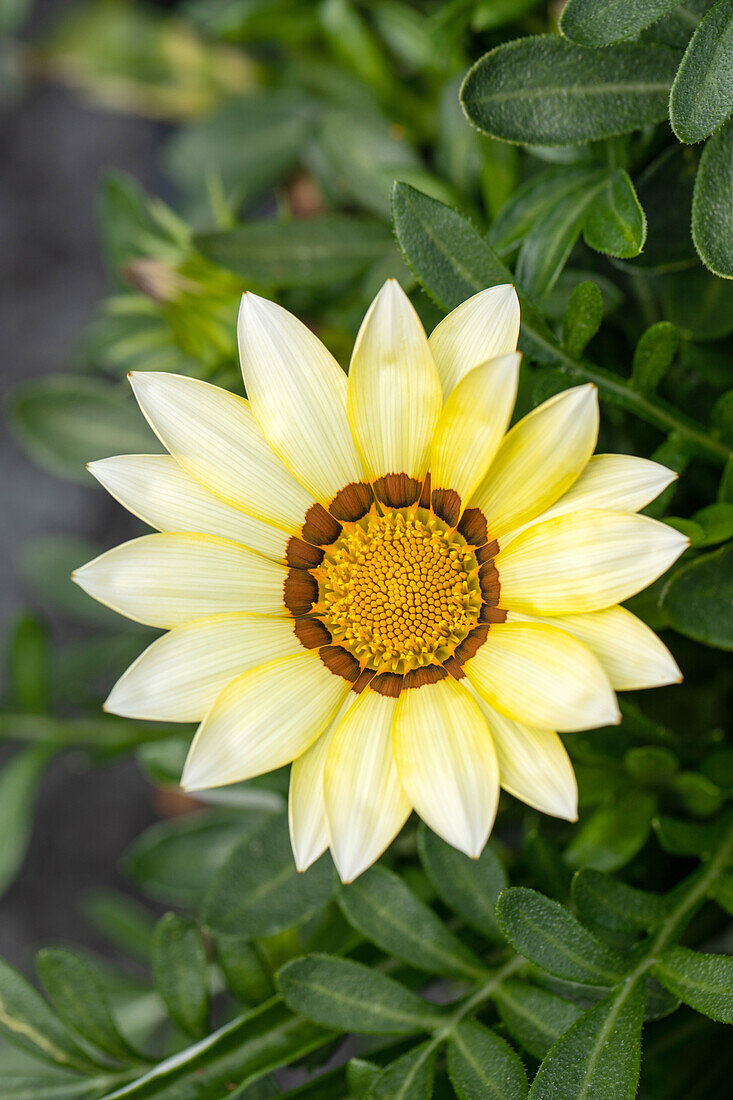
x,y
533,765
215,437
179,676
539,459
306,802
297,391
157,490
394,393
472,425
631,654
620,483
584,561
447,763
480,328
166,580
542,677
365,803
263,720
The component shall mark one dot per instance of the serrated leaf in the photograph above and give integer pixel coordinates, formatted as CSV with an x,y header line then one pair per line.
x,y
81,1001
615,223
613,834
653,356
408,1078
548,91
549,936
712,216
384,909
533,1016
470,887
702,93
259,891
582,318
704,982
180,972
610,904
698,599
349,996
483,1066
599,1057
602,22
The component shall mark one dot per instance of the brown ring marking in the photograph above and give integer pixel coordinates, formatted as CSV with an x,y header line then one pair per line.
x,y
302,555
397,490
419,677
452,666
311,633
340,662
486,552
488,577
363,680
470,645
492,614
387,683
352,502
447,505
319,526
473,527
300,592
424,501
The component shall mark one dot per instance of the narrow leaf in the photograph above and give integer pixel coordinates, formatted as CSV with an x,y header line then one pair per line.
x,y
712,210
179,969
534,1017
19,781
549,936
470,887
704,982
409,1078
548,244
702,94
610,904
583,317
654,355
482,1066
346,995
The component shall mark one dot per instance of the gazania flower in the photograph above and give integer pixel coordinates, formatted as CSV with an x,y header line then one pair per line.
x,y
374,580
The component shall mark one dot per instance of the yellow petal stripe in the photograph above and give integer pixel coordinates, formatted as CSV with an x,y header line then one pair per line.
x,y
481,328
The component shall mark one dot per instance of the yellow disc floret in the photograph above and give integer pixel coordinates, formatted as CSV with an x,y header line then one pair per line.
x,y
399,589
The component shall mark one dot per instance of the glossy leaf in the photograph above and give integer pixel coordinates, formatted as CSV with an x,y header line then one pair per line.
x,y
601,22
470,887
698,599
481,1065
702,94
180,972
533,1016
712,217
704,982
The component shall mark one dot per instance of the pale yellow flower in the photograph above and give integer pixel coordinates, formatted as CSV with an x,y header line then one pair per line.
x,y
374,580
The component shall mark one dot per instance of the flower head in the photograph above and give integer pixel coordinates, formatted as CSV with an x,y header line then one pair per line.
x,y
376,581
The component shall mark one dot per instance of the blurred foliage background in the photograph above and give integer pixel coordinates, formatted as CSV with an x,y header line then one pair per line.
x,y
309,151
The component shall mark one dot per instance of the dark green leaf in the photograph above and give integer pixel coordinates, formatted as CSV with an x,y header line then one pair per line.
x,y
80,998
28,1022
599,1057
582,318
309,252
547,245
346,995
613,834
546,90
482,1066
698,599
704,982
616,224
409,1078
665,190
702,94
29,663
65,421
601,22
691,838
536,198
46,1086
122,921
361,1075
549,936
243,968
534,1017
722,892
19,781
610,904
700,304
469,887
384,909
179,969
96,734
712,211
654,355
259,891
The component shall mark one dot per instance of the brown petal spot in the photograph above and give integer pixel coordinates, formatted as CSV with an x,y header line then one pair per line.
x,y
473,527
352,502
447,504
492,614
397,490
300,591
340,662
311,633
487,552
488,577
470,646
363,679
452,666
387,683
320,527
428,674
425,494
302,555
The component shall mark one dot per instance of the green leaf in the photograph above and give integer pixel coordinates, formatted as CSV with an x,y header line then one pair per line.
x,y
30,663
602,22
384,909
534,1017
616,223
46,1086
665,191
106,734
349,996
179,969
722,892
361,1075
704,982
305,252
80,998
535,198
547,245
607,903
408,1078
65,420
698,599
712,212
470,887
482,1066
691,838
549,936
122,921
599,1057
654,355
244,970
259,891
613,834
28,1022
702,93
547,91
19,781
582,318
700,304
